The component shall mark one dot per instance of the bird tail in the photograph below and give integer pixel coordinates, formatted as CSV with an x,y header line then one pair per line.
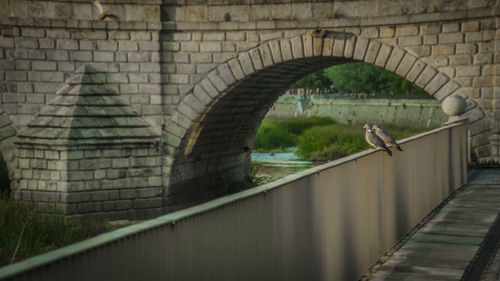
x,y
388,151
399,148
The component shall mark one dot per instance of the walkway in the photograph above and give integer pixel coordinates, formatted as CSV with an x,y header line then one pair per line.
x,y
458,242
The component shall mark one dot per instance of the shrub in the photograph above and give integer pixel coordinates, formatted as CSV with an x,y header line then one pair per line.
x,y
278,134
297,125
271,136
330,142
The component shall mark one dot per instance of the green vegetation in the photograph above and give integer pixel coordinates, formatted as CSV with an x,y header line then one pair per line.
x,y
337,141
320,138
317,80
25,233
276,135
360,78
330,142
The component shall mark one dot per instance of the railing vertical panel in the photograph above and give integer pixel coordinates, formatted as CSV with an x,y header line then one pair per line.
x,y
328,223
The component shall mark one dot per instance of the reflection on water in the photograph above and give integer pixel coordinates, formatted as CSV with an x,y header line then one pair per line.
x,y
270,166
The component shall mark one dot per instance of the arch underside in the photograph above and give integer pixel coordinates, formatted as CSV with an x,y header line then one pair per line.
x,y
213,157
220,156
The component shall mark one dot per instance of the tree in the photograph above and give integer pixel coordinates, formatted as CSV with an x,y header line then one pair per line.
x,y
400,86
359,78
314,81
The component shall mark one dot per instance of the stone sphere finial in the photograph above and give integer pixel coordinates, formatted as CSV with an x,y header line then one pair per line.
x,y
453,106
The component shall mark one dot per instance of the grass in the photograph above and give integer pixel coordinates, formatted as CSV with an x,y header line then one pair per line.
x,y
319,138
24,232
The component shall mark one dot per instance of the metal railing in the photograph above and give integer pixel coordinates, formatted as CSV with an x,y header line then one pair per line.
x,y
330,222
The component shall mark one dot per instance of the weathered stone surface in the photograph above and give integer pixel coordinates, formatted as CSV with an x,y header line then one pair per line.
x,y
405,65
78,115
426,75
454,105
286,50
436,83
372,51
446,90
276,51
394,60
360,50
265,54
297,48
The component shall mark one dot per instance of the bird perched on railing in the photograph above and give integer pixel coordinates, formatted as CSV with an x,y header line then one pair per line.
x,y
385,136
374,140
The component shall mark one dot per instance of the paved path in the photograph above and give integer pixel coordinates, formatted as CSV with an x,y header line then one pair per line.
x,y
459,242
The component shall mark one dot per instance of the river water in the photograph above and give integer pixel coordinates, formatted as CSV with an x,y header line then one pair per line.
x,y
272,166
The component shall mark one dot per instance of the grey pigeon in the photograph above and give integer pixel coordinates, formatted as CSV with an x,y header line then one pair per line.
x,y
386,137
375,141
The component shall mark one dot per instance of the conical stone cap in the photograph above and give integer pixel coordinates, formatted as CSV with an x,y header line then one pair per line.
x,y
87,111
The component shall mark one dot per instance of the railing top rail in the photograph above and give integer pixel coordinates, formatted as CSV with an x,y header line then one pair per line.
x,y
172,218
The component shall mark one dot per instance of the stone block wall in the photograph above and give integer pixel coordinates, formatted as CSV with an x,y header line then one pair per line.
x,y
463,50
37,57
89,153
102,182
444,49
347,110
75,10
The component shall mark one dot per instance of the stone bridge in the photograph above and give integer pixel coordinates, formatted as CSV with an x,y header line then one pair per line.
x,y
150,106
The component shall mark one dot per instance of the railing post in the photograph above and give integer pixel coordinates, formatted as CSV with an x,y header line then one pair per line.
x,y
454,106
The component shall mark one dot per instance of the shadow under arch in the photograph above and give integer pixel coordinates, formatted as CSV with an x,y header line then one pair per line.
x,y
211,133
8,134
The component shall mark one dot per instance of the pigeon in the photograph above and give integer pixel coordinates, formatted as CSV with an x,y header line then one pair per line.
x,y
375,141
388,139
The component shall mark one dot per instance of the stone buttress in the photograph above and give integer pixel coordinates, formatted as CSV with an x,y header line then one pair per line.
x,y
89,153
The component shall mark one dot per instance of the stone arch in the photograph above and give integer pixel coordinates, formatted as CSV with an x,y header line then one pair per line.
x,y
284,61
